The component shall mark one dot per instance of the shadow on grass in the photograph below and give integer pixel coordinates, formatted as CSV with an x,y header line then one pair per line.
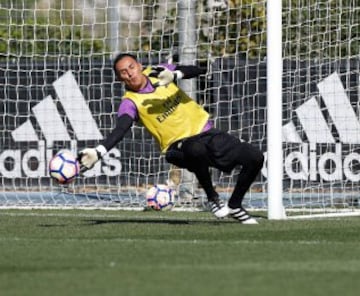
x,y
53,225
171,221
153,221
150,220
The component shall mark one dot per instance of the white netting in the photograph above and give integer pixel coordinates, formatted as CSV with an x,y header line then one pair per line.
x,y
321,95
58,91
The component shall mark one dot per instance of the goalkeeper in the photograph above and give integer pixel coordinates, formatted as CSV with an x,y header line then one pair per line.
x,y
183,130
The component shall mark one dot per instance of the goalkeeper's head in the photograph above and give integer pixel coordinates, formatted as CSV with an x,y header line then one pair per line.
x,y
129,71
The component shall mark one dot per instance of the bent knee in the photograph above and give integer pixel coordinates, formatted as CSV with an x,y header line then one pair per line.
x,y
252,157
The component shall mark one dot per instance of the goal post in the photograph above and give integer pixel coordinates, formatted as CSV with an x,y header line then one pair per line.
x,y
274,72
281,75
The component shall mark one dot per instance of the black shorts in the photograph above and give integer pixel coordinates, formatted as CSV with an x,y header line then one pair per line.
x,y
221,151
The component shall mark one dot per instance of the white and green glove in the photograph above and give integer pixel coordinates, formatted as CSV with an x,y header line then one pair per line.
x,y
165,75
89,156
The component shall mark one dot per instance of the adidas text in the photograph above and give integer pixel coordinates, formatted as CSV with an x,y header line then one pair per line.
x,y
328,166
33,163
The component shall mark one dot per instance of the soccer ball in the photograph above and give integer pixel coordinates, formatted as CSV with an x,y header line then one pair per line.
x,y
64,167
160,197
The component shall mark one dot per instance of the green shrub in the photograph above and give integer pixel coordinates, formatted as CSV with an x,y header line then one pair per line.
x,y
39,39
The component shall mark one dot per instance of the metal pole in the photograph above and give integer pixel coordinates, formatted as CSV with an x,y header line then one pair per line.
x,y
187,41
187,56
113,20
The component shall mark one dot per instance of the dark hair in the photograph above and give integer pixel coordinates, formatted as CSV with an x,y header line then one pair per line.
x,y
121,56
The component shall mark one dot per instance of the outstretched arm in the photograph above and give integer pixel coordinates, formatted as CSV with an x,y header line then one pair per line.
x,y
170,73
123,124
190,71
89,156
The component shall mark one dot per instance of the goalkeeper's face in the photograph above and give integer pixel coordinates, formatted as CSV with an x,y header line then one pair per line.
x,y
129,71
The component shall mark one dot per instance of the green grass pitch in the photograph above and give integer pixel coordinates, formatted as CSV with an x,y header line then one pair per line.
x,y
74,252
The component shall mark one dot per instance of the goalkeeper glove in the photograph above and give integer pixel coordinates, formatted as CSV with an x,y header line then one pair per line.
x,y
89,156
165,75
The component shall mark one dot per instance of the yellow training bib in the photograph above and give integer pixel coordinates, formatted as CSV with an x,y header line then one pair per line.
x,y
168,113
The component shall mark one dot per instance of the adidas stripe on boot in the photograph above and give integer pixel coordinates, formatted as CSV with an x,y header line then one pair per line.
x,y
242,216
218,208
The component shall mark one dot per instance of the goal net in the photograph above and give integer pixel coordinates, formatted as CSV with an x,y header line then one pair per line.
x,y
321,106
58,91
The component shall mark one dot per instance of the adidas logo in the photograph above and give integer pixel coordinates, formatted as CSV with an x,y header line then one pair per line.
x,y
33,162
49,119
315,125
311,160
